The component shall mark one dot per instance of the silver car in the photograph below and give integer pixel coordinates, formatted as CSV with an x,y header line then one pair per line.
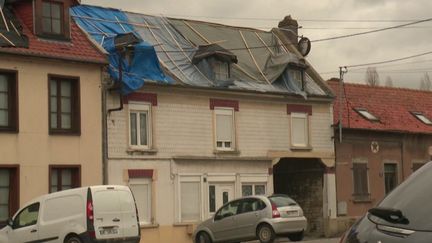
x,y
254,217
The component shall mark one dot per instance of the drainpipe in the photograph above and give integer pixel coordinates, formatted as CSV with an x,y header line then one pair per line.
x,y
120,82
104,133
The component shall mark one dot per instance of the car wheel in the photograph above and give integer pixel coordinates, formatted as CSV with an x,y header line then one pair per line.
x,y
203,237
265,234
73,239
296,236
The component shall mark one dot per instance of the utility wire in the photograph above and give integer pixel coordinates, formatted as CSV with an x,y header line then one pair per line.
x,y
389,61
373,31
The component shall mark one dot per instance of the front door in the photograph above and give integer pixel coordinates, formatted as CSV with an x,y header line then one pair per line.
x,y
219,194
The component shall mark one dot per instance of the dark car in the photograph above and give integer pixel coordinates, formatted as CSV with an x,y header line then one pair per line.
x,y
405,215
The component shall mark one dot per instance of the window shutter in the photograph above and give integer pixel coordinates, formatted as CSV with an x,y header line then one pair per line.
x,y
299,131
224,126
190,201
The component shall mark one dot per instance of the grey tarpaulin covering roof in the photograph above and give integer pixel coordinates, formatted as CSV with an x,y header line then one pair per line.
x,y
10,29
261,58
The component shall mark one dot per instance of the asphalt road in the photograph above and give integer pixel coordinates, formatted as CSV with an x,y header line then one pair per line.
x,y
306,240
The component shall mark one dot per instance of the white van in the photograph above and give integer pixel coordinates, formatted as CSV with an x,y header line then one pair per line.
x,y
86,214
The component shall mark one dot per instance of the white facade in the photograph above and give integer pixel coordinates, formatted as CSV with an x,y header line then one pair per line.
x,y
188,174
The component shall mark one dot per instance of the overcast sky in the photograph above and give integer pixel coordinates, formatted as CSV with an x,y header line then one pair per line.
x,y
326,56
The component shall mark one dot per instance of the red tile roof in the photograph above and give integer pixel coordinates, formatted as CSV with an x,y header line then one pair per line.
x,y
392,106
79,48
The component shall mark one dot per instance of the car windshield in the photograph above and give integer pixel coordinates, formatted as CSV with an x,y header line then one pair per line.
x,y
282,201
412,199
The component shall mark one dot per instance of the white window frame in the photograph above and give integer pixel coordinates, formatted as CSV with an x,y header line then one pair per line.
x,y
307,130
422,118
253,187
190,178
225,111
149,182
366,114
137,108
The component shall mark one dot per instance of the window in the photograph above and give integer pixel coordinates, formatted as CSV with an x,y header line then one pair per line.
x,y
228,210
52,18
8,193
250,205
224,128
299,130
142,190
64,177
8,101
296,76
253,189
28,216
139,125
390,176
417,165
221,70
64,105
190,199
422,118
366,114
360,180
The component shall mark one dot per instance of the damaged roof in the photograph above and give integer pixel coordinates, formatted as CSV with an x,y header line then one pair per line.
x,y
259,59
10,29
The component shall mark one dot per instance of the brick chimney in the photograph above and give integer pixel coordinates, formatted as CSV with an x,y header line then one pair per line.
x,y
289,27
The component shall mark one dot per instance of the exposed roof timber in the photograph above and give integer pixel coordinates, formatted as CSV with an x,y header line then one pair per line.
x,y
165,51
311,71
208,42
178,45
253,58
265,44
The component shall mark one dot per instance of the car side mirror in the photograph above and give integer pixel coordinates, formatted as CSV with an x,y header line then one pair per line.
x,y
10,223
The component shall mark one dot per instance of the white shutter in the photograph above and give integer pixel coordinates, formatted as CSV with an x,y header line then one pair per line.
x,y
299,129
224,125
190,201
141,188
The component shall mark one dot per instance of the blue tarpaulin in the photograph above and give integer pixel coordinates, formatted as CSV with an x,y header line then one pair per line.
x,y
103,25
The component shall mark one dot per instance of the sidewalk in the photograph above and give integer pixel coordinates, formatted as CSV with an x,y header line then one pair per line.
x,y
306,240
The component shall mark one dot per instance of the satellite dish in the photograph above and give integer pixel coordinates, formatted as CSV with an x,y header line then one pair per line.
x,y
304,46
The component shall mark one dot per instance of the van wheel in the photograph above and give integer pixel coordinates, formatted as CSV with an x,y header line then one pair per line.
x,y
296,236
203,237
73,239
265,234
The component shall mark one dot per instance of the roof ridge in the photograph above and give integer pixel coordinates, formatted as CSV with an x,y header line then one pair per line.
x,y
383,87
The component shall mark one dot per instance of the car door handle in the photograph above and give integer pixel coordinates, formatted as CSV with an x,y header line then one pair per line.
x,y
33,231
116,220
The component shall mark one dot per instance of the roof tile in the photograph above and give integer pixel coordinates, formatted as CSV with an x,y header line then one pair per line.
x,y
393,107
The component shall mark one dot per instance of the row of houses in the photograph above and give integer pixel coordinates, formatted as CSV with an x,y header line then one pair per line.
x,y
191,114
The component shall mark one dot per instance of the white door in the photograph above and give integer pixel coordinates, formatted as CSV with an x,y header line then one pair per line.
x,y
107,214
219,194
129,214
25,225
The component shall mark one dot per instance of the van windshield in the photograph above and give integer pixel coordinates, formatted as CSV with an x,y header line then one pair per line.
x,y
413,199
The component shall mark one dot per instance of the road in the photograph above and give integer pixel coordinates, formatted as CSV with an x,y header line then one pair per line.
x,y
306,240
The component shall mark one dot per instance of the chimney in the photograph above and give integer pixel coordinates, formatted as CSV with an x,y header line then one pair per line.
x,y
289,27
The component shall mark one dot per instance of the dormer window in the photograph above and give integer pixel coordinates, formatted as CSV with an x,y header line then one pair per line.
x,y
214,62
366,114
297,76
52,19
422,118
221,70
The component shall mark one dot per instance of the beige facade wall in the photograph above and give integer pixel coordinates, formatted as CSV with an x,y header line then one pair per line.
x,y
183,144
32,148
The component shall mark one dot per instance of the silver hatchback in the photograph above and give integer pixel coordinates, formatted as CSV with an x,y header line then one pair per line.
x,y
254,217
